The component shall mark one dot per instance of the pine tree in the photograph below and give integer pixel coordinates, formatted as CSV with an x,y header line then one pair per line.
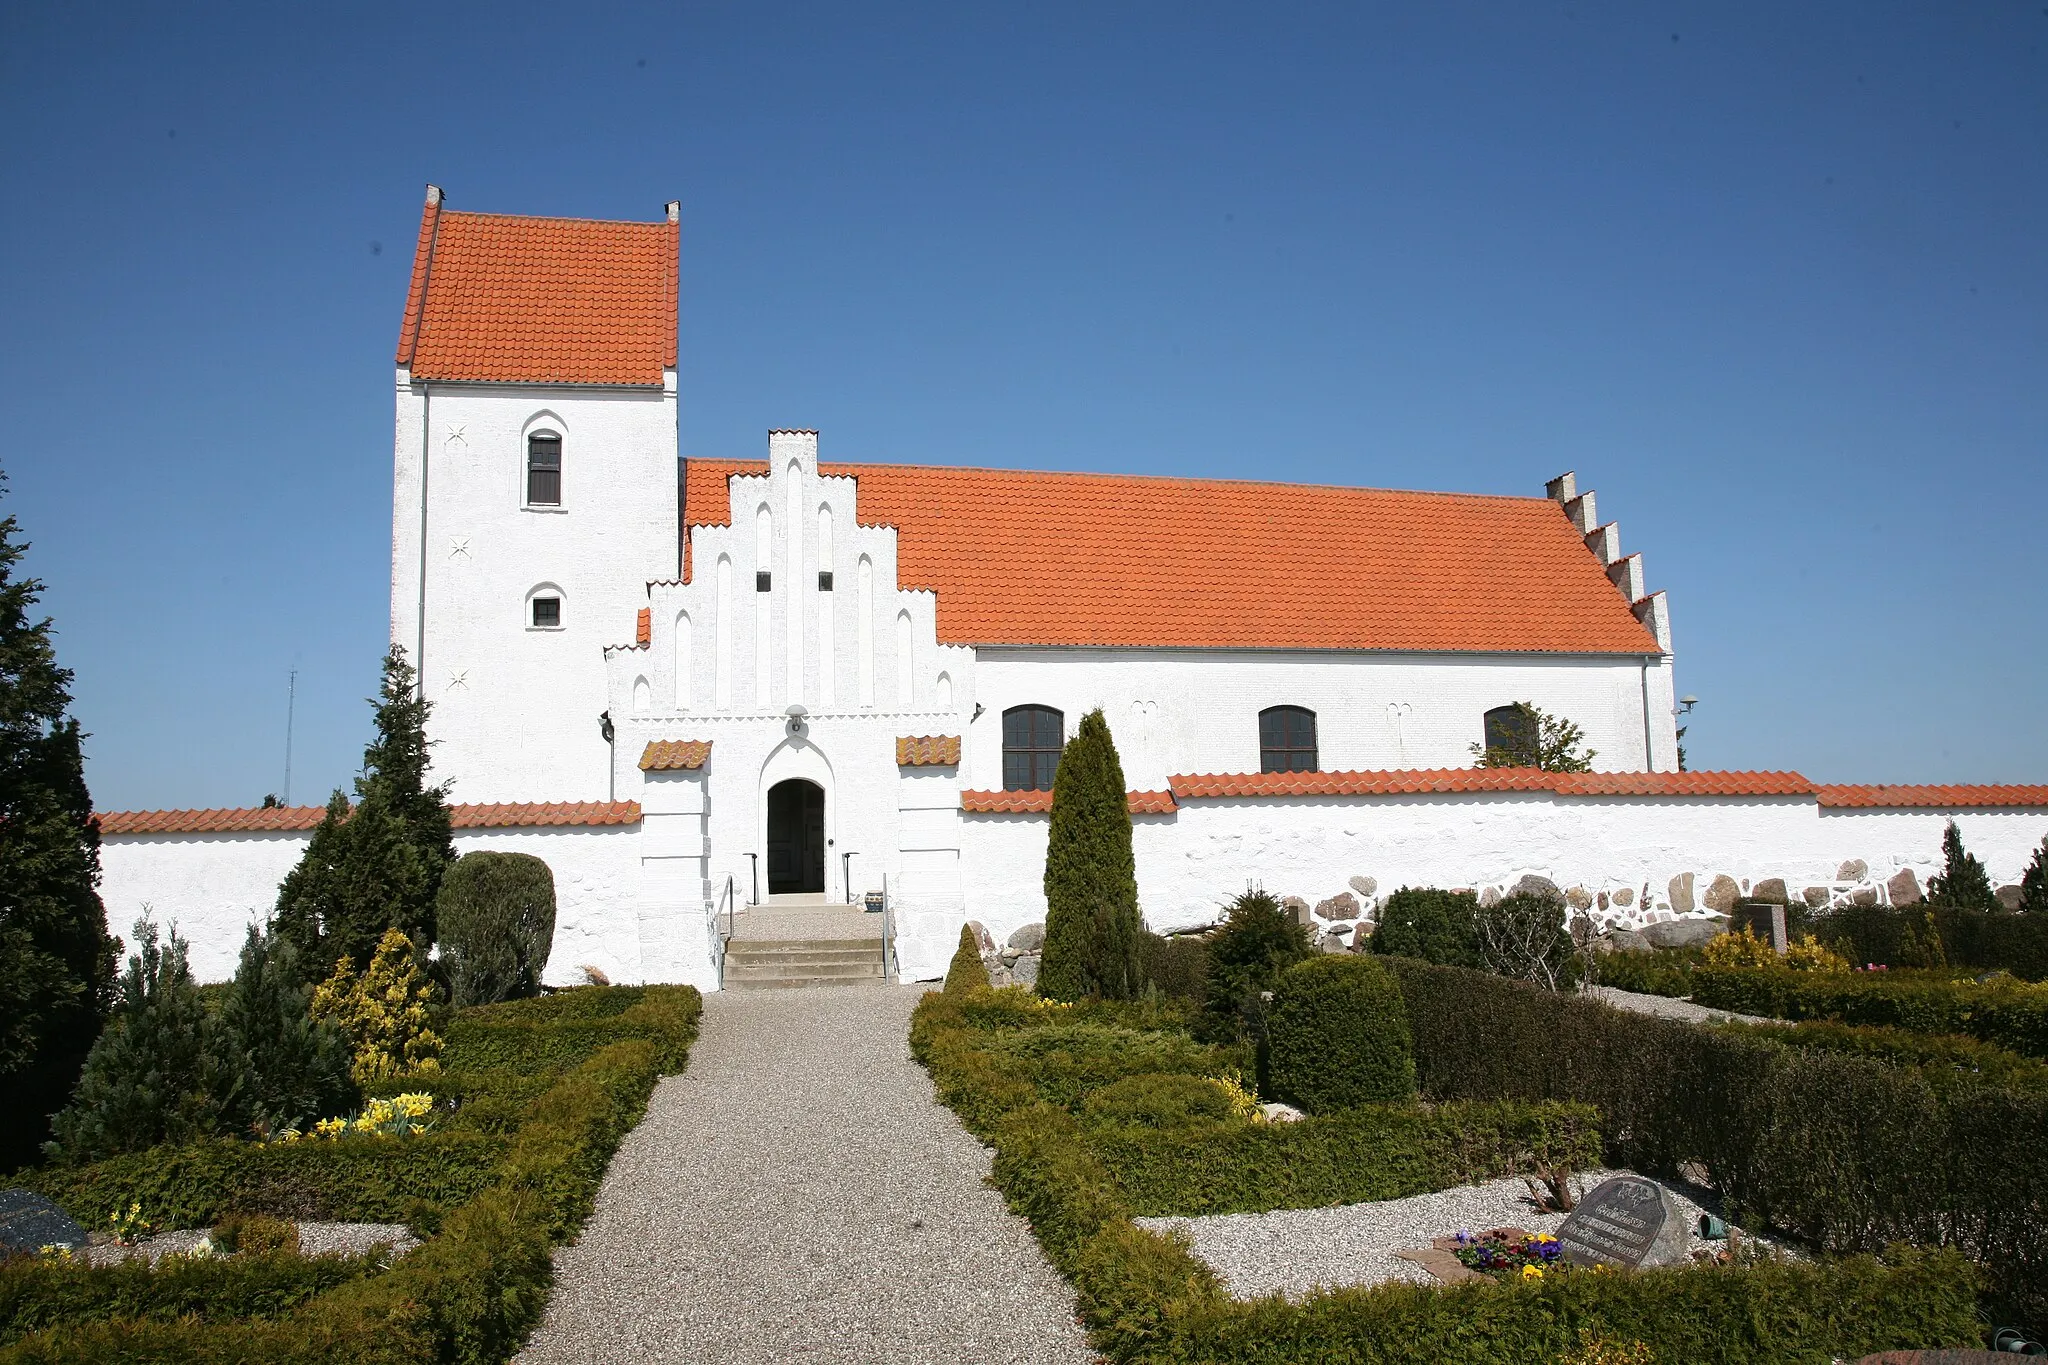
x,y
2034,884
380,866
292,1067
1093,931
57,960
1962,881
159,1072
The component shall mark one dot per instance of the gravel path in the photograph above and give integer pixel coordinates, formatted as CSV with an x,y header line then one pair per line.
x,y
1665,1007
798,1194
1292,1251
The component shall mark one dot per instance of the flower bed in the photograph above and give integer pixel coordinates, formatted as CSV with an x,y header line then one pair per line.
x,y
1145,1298
496,1202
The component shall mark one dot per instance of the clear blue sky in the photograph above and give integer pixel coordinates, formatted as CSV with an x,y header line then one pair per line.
x,y
1773,278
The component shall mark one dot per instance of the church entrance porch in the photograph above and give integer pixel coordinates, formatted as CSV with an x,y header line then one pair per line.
x,y
796,837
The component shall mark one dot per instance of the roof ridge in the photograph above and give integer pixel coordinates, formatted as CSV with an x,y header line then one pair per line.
x,y
560,218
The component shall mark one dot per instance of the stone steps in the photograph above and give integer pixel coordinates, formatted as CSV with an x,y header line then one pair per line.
x,y
780,963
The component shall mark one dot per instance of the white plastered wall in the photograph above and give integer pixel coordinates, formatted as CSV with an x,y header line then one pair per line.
x,y
516,708
1197,711
214,886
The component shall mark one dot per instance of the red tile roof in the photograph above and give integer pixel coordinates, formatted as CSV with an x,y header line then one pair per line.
x,y
674,755
1039,803
927,751
496,298
1683,784
1933,796
1390,783
1094,559
643,628
1449,780
243,820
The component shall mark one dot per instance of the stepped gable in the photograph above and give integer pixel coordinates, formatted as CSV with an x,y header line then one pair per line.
x,y
497,298
1019,558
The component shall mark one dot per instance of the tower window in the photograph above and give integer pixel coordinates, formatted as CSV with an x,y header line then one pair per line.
x,y
544,469
547,613
824,580
763,580
1032,738
1287,740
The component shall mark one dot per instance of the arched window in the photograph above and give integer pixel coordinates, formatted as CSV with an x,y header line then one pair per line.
x,y
544,469
1032,737
1287,740
1509,729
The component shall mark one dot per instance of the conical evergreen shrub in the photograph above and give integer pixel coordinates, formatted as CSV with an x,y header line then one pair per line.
x,y
1962,881
293,1068
57,961
159,1072
497,919
380,866
966,971
2034,883
1093,930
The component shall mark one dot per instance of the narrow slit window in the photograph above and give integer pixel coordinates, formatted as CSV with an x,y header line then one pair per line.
x,y
1032,739
1287,740
544,469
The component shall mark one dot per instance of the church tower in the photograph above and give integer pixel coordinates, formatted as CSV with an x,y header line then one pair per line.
x,y
535,485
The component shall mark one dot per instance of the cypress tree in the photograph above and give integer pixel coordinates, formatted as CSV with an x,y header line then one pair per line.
x,y
1093,931
2034,884
380,866
159,1072
292,1067
57,960
1962,881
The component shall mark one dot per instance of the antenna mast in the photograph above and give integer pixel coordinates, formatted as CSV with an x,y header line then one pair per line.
x,y
291,701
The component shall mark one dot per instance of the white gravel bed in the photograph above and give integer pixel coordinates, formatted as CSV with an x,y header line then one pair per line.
x,y
315,1239
799,1194
1666,1007
1293,1251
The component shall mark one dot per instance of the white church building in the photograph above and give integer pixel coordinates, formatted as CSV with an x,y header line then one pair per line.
x,y
695,685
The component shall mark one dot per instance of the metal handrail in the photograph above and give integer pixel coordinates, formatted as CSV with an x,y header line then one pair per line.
x,y
719,940
888,932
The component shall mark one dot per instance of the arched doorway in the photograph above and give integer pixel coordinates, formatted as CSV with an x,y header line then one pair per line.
x,y
796,837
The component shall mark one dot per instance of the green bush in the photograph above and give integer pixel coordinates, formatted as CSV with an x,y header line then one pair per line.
x,y
1888,936
1062,1062
1356,1155
1849,1153
1257,941
1945,1059
1436,926
289,1067
1962,881
1092,924
1338,1035
1178,965
558,1031
1145,1298
496,916
1659,971
161,1071
38,1294
967,971
1169,1100
2008,1013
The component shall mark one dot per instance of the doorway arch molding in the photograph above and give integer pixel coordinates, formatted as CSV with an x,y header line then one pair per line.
x,y
797,757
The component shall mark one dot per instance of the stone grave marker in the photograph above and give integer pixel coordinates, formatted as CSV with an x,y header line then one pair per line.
x,y
1626,1222
1765,919
29,1222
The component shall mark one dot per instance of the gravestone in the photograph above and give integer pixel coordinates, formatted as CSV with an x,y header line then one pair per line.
x,y
1626,1222
29,1222
1765,919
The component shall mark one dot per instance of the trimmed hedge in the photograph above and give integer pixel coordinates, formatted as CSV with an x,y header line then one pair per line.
x,y
471,1293
2009,1014
1338,1035
561,1030
1944,1059
1660,971
1849,1153
36,1294
1145,1298
1349,1157
350,1179
1435,926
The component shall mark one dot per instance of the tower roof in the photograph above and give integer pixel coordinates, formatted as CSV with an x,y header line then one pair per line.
x,y
503,299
